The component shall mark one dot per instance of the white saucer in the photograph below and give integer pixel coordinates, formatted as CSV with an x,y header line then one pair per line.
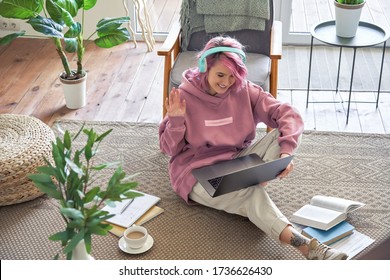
x,y
148,244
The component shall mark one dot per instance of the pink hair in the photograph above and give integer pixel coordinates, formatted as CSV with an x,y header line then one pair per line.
x,y
232,61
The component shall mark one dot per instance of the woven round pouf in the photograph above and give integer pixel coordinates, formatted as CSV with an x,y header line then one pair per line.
x,y
24,142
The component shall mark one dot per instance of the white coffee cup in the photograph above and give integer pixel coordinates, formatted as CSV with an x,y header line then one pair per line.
x,y
135,236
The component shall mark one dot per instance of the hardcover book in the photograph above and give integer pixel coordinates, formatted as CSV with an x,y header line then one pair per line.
x,y
330,236
324,212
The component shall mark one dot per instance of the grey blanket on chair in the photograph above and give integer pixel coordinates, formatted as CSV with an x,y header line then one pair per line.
x,y
211,16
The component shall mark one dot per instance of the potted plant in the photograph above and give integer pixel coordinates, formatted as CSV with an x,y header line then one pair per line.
x,y
71,177
347,15
56,19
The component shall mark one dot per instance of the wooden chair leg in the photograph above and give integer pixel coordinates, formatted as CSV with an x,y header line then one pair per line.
x,y
273,82
274,78
167,70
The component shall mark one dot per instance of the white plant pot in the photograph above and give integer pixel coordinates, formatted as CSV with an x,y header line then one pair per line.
x,y
75,92
80,252
347,19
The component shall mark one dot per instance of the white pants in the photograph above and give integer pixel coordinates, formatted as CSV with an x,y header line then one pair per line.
x,y
253,202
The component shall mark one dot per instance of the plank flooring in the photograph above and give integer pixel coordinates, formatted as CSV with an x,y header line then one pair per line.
x,y
125,84
364,117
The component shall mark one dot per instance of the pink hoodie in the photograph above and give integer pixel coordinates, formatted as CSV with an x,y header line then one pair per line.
x,y
217,127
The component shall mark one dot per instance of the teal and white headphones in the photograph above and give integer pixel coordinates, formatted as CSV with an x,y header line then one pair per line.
x,y
202,60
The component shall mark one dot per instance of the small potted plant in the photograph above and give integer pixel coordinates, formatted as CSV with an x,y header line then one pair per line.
x,y
72,177
347,15
57,20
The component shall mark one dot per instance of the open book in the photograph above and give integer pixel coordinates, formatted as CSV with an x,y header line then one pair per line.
x,y
324,212
128,211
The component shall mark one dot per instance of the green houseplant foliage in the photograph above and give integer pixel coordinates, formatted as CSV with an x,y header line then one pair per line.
x,y
71,177
55,19
350,2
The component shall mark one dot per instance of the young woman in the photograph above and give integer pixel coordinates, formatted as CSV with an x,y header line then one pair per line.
x,y
213,117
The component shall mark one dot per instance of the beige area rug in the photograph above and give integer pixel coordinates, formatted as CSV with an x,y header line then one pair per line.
x,y
352,166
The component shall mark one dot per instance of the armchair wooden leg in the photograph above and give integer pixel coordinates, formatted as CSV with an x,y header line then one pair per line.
x,y
274,78
273,82
167,70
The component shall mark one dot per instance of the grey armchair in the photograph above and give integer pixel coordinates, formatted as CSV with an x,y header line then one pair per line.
x,y
263,50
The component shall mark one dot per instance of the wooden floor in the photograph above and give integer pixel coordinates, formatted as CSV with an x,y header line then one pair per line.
x,y
364,117
125,84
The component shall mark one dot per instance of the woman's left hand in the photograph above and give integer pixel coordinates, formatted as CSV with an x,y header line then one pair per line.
x,y
288,169
285,172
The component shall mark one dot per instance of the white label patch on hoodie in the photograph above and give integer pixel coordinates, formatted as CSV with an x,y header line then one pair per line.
x,y
219,122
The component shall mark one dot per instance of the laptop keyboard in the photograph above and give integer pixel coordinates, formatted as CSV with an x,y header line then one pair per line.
x,y
215,182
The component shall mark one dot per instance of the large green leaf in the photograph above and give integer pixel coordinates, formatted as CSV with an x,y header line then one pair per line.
x,y
102,136
116,190
62,11
74,241
58,156
131,194
70,45
67,18
54,11
67,140
88,151
76,224
48,189
46,26
52,171
9,38
91,194
73,31
115,38
72,213
79,131
107,25
98,214
105,165
97,229
89,4
92,135
49,170
59,236
115,179
44,183
88,242
71,6
21,9
74,167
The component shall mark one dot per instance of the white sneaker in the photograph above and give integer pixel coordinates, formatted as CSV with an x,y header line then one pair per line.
x,y
319,251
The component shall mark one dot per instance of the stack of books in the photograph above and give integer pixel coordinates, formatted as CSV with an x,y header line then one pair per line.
x,y
325,217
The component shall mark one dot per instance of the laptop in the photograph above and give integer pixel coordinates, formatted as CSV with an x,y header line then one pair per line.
x,y
242,172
